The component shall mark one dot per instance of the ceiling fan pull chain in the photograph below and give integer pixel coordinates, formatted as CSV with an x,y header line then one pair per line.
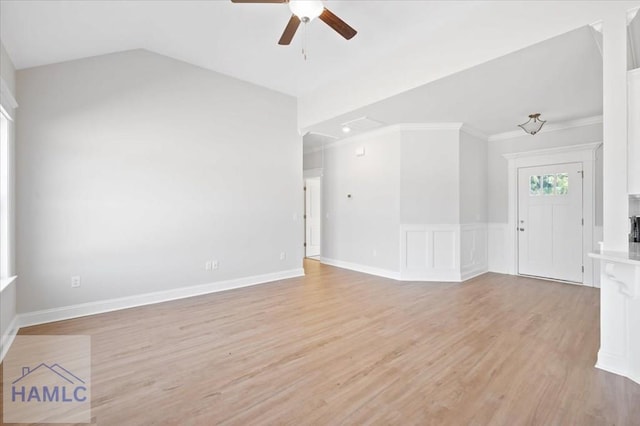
x,y
304,41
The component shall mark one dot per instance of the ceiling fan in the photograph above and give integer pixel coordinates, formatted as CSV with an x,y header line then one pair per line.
x,y
306,11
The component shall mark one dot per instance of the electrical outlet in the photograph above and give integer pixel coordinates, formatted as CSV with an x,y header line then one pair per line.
x,y
75,281
283,255
208,266
215,265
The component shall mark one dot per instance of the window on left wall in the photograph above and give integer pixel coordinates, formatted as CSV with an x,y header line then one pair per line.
x,y
5,124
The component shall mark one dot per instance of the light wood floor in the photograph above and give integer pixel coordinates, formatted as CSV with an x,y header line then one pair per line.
x,y
343,347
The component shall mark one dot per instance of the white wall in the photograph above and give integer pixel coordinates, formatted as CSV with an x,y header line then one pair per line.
x,y
8,294
363,229
429,176
135,169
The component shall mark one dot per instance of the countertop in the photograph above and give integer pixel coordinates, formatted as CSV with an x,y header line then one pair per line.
x,y
630,258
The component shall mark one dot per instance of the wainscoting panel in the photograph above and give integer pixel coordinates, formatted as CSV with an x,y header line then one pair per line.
x,y
500,255
473,250
429,252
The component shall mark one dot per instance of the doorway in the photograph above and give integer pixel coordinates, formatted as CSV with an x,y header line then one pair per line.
x,y
550,222
312,217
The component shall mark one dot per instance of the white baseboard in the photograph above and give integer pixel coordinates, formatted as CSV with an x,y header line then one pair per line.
x,y
615,364
386,273
612,363
92,308
467,275
8,337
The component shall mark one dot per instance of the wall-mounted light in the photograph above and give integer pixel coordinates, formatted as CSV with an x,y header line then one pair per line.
x,y
534,124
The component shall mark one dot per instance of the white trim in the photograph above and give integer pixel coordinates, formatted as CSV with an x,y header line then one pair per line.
x,y
8,337
549,127
431,271
586,154
479,253
464,276
497,241
613,363
5,282
597,26
400,127
552,151
385,273
6,98
474,132
631,14
92,308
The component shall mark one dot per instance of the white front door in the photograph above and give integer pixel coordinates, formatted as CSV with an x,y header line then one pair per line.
x,y
550,221
312,217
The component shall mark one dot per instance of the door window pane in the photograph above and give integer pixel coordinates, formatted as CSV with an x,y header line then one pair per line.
x,y
548,184
534,185
562,183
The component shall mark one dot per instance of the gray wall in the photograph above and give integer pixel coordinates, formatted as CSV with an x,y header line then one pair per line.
x,y
353,228
135,169
429,177
498,165
312,160
473,179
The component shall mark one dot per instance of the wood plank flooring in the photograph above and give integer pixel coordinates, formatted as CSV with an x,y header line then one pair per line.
x,y
340,347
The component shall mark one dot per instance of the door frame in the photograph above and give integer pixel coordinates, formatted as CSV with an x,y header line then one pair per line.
x,y
585,154
310,174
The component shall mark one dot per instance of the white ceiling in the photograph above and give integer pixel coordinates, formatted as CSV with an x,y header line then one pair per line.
x,y
560,78
235,39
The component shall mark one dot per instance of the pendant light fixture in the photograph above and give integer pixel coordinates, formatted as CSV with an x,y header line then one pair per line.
x,y
534,124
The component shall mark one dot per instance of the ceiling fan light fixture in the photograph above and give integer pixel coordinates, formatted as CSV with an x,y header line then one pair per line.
x,y
306,10
534,124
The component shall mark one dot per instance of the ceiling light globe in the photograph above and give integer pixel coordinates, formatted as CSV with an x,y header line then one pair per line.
x,y
306,10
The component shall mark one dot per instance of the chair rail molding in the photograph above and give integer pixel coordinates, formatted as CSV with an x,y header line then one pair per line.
x,y
580,153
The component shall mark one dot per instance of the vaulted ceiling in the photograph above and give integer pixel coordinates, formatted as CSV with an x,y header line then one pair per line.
x,y
560,77
240,40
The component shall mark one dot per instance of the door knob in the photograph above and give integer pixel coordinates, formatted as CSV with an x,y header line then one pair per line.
x,y
521,229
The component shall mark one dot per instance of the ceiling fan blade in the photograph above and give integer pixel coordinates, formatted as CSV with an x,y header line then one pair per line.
x,y
290,30
259,1
337,24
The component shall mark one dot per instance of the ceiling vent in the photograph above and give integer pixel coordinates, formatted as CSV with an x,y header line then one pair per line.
x,y
361,124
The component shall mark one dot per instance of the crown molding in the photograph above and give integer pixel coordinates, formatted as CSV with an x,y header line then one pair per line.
x,y
402,127
591,147
631,14
474,132
552,127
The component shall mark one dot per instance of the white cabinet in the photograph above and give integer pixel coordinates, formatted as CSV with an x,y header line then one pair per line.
x,y
634,131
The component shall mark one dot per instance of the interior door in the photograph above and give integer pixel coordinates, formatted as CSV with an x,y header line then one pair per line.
x,y
550,221
312,217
